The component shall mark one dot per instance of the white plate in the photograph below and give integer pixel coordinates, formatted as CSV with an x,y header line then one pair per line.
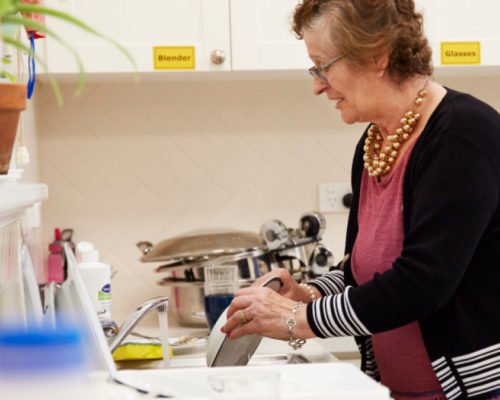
x,y
195,345
223,352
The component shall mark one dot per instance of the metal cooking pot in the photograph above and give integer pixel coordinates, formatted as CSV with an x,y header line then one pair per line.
x,y
184,258
188,303
186,255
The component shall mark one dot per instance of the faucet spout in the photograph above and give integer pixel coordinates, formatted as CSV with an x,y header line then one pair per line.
x,y
160,303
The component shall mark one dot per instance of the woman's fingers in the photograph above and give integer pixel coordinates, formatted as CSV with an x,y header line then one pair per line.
x,y
266,277
244,297
242,330
258,310
246,321
236,322
238,303
290,288
244,291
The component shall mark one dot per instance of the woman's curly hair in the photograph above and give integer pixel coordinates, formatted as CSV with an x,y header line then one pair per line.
x,y
363,29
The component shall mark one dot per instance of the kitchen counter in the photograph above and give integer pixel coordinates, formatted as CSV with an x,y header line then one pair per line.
x,y
322,378
313,351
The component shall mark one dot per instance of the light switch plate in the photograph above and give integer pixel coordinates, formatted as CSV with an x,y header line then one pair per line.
x,y
330,196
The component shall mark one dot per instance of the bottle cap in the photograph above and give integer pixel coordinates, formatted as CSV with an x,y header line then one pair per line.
x,y
82,248
90,256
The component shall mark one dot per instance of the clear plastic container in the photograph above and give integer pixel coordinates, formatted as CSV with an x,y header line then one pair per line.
x,y
221,283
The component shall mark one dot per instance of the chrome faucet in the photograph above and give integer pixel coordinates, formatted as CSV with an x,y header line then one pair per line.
x,y
159,303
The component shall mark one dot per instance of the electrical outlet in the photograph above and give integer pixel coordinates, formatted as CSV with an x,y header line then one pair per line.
x,y
331,195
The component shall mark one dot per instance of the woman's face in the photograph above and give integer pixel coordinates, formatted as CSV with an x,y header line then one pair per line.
x,y
350,88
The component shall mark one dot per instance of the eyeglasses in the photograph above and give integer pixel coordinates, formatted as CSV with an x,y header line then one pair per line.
x,y
316,71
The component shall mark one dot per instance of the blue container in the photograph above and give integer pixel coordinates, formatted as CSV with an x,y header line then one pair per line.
x,y
215,304
40,351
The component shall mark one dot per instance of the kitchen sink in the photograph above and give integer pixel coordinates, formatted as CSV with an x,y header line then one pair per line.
x,y
310,372
197,362
321,381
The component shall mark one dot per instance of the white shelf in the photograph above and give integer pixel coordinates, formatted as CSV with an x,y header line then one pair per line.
x,y
16,197
262,75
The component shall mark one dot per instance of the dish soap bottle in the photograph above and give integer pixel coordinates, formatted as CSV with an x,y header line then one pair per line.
x,y
97,277
55,267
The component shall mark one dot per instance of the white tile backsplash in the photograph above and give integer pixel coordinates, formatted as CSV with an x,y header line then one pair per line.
x,y
126,162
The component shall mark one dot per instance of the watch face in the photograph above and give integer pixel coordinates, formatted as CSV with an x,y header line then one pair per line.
x,y
225,352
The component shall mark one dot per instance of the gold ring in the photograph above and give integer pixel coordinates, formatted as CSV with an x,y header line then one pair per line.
x,y
241,316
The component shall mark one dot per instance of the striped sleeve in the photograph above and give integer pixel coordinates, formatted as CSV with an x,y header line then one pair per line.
x,y
330,283
334,316
368,363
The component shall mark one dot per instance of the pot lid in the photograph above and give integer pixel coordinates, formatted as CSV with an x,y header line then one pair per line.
x,y
201,246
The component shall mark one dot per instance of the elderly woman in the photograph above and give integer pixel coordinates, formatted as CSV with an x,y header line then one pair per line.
x,y
421,289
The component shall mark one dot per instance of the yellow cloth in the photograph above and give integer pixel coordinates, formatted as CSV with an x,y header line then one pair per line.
x,y
139,351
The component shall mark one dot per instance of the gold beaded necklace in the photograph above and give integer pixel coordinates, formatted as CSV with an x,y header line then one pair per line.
x,y
379,163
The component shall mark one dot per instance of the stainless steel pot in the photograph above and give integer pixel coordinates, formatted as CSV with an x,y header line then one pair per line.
x,y
187,283
184,258
188,299
188,304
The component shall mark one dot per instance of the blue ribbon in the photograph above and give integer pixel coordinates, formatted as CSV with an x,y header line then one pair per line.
x,y
31,66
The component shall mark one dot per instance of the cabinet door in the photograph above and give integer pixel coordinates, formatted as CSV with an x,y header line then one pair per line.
x,y
139,26
459,21
262,38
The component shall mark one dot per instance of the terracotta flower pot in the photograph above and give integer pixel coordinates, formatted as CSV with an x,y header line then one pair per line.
x,y
12,102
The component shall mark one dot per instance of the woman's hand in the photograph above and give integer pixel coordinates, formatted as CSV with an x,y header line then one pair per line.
x,y
265,313
290,289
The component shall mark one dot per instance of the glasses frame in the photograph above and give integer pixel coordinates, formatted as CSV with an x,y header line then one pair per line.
x,y
316,71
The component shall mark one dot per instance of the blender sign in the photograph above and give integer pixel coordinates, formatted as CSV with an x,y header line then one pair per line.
x,y
173,57
460,53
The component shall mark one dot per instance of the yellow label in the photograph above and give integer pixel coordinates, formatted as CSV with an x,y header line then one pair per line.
x,y
173,57
460,53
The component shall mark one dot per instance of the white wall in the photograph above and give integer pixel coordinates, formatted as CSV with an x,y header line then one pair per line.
x,y
127,162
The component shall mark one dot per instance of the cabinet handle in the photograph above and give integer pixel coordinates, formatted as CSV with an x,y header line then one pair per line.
x,y
218,57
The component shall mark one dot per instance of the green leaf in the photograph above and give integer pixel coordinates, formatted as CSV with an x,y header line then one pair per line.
x,y
8,7
69,18
30,23
21,46
8,75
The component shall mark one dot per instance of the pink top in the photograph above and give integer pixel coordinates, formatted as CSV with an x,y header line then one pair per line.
x,y
402,359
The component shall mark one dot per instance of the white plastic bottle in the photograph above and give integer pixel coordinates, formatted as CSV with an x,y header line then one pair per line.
x,y
97,277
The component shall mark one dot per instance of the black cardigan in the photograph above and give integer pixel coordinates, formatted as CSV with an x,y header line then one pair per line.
x,y
448,274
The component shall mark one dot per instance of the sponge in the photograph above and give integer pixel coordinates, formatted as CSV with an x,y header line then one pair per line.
x,y
140,349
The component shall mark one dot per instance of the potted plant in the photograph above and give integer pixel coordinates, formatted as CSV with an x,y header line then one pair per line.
x,y
15,15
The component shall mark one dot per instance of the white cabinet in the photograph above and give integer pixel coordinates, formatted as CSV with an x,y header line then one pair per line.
x,y
262,37
139,26
254,35
458,24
